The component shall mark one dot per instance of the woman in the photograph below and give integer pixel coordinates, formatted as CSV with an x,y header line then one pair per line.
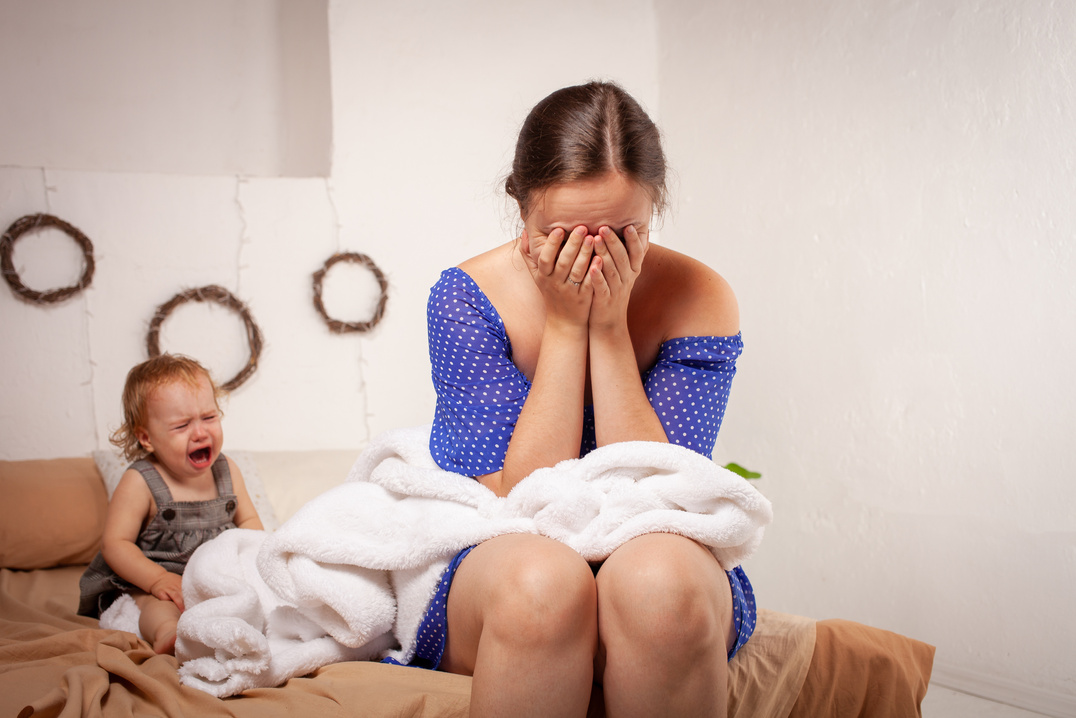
x,y
580,334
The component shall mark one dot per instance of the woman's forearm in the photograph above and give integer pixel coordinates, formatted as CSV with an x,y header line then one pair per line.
x,y
622,411
550,425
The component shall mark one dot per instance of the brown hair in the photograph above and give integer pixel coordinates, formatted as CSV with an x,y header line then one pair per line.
x,y
142,380
582,132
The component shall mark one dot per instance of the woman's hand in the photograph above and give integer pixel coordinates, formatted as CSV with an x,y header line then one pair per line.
x,y
559,266
550,425
613,272
622,411
169,587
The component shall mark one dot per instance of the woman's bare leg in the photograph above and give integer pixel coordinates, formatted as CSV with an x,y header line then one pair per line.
x,y
157,622
665,625
522,619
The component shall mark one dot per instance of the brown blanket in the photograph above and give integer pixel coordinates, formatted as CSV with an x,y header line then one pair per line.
x,y
56,663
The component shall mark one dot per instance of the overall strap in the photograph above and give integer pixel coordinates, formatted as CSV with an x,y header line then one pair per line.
x,y
222,475
153,480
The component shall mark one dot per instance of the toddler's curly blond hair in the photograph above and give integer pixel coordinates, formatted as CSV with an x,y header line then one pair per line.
x,y
142,381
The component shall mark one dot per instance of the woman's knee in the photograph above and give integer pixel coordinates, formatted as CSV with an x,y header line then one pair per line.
x,y
546,593
664,591
532,590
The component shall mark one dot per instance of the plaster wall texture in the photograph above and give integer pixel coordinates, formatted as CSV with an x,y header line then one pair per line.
x,y
427,101
887,187
185,177
200,87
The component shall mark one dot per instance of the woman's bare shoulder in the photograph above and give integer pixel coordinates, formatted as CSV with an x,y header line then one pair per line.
x,y
498,272
695,299
490,263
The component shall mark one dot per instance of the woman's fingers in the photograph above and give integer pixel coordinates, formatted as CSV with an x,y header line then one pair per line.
x,y
568,253
525,251
578,272
570,259
636,246
596,278
614,257
549,252
623,256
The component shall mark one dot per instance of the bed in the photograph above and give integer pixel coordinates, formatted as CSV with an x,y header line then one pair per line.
x,y
56,663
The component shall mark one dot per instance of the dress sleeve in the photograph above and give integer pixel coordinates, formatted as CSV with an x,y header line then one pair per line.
x,y
480,392
689,387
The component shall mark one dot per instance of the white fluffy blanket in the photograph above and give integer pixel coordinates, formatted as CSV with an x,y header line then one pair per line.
x,y
349,577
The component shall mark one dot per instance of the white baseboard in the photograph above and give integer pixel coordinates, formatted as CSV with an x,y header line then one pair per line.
x,y
1001,690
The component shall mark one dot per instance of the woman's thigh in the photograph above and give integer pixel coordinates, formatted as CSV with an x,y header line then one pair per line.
x,y
519,588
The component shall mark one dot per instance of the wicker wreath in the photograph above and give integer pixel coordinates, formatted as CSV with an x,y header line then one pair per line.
x,y
218,295
335,325
36,221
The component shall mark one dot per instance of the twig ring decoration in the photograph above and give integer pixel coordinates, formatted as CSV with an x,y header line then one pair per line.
x,y
217,295
335,325
36,221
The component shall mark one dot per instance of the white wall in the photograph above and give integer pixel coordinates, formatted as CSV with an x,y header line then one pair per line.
x,y
199,87
888,187
426,100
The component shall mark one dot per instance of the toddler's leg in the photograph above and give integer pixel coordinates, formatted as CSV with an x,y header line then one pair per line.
x,y
158,622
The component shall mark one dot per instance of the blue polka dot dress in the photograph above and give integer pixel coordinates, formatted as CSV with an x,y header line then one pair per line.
x,y
480,394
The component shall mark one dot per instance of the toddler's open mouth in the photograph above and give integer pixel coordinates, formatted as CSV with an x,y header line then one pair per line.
x,y
200,457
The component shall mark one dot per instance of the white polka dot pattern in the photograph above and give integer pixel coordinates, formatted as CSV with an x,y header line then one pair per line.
x,y
480,392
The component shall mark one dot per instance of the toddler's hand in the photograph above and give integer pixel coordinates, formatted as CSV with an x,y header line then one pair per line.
x,y
169,587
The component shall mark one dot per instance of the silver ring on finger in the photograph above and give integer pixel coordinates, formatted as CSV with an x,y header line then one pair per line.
x,y
574,282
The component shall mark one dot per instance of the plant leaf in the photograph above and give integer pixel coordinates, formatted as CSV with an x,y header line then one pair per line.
x,y
741,471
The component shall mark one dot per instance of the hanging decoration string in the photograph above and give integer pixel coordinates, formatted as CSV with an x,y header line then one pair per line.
x,y
33,222
217,295
335,325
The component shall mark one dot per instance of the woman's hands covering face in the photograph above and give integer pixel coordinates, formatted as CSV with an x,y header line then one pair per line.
x,y
585,279
558,264
613,270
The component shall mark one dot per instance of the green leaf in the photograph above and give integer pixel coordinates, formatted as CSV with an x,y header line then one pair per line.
x,y
747,474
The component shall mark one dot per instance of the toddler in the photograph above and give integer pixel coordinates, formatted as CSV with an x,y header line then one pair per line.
x,y
180,492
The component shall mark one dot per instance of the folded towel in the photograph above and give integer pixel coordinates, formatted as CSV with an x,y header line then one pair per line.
x,y
350,575
236,633
122,615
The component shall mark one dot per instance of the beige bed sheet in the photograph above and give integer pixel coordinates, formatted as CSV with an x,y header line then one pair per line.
x,y
56,663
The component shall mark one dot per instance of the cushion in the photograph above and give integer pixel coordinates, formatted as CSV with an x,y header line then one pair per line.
x,y
857,670
292,478
256,488
112,465
52,513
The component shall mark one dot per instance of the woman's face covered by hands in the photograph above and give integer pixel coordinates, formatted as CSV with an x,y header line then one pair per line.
x,y
611,201
584,243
